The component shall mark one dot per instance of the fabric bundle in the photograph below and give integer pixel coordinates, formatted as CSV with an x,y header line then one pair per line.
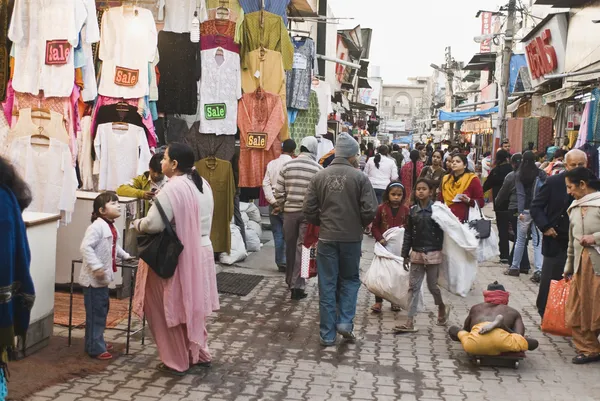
x,y
530,132
545,130
515,134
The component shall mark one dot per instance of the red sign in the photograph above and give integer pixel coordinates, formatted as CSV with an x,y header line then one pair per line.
x,y
486,29
126,76
541,55
57,52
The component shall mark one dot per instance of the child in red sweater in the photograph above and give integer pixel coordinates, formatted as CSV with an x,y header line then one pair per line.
x,y
391,213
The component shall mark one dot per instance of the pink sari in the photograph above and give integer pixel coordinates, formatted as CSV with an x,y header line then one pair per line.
x,y
177,308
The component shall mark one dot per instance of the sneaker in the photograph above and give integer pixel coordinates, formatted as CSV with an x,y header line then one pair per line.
x,y
537,277
504,261
326,343
347,335
512,272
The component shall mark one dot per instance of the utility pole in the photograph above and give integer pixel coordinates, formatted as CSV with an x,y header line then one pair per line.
x,y
505,74
449,87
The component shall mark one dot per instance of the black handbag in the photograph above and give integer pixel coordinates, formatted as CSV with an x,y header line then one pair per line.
x,y
482,226
161,251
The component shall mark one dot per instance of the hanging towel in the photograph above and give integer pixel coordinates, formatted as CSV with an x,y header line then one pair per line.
x,y
545,131
515,134
530,132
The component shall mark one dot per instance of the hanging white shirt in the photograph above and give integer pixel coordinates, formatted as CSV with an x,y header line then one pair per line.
x,y
178,14
41,30
123,154
90,33
128,44
220,84
323,91
49,173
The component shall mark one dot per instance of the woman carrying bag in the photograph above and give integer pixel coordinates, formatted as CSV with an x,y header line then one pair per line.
x,y
461,188
177,307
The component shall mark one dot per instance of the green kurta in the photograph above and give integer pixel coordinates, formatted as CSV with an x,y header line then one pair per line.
x,y
219,175
306,121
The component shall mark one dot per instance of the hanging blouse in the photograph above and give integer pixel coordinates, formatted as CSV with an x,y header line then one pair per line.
x,y
235,11
273,36
127,45
323,91
217,27
300,76
90,34
260,119
122,154
44,34
219,93
178,14
208,42
278,7
306,121
49,173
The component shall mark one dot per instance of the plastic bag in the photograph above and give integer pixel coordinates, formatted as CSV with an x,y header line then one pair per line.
x,y
386,277
488,248
554,321
308,266
238,249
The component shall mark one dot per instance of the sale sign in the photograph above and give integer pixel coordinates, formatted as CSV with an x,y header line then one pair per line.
x,y
57,52
126,76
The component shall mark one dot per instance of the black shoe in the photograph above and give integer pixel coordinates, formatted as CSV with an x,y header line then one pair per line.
x,y
537,277
281,269
298,294
524,271
504,261
511,272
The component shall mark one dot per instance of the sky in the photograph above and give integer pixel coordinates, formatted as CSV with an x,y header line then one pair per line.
x,y
408,35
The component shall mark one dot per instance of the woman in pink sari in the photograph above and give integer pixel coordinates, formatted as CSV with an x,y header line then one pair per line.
x,y
177,308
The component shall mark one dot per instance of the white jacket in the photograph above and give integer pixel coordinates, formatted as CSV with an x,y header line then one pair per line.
x,y
96,249
382,176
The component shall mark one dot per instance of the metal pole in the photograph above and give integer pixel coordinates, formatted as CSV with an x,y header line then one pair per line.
x,y
500,133
449,87
322,36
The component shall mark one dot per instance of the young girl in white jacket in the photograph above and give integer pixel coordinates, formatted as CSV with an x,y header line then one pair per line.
x,y
100,250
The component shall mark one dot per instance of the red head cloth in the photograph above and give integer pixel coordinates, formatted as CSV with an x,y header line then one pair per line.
x,y
497,297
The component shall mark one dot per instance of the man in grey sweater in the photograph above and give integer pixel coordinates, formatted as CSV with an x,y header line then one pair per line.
x,y
341,200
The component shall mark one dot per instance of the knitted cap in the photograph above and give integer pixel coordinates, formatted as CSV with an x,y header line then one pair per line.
x,y
345,146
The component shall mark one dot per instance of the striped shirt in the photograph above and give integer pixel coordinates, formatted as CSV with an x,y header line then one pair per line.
x,y
293,181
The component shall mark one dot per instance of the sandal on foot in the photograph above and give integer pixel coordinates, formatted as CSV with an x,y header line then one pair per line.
x,y
205,364
404,329
376,307
583,359
105,356
164,368
396,308
444,321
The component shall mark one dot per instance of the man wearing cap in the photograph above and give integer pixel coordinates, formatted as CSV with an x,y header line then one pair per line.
x,y
275,216
492,327
290,191
341,200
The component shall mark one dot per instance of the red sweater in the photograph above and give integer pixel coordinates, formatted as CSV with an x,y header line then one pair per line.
x,y
474,192
384,219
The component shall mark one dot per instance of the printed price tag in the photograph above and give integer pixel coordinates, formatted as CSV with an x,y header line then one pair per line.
x,y
57,52
300,62
257,140
215,111
126,76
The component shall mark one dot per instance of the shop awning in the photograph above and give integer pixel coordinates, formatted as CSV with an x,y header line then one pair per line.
x,y
301,8
362,106
463,115
403,140
514,106
481,61
558,95
561,3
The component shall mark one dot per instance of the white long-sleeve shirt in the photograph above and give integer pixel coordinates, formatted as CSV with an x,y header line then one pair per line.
x,y
273,169
382,176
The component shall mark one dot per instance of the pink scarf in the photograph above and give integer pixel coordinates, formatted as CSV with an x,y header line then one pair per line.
x,y
191,294
497,297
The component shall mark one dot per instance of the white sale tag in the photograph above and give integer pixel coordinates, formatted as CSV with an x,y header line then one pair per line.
x,y
300,62
257,74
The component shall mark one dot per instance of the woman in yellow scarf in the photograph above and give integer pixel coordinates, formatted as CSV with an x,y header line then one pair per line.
x,y
461,188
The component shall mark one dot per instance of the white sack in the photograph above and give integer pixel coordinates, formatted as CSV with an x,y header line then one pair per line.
x,y
252,240
256,227
238,249
488,248
459,265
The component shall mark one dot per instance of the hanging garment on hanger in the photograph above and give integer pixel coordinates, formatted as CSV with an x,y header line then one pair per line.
x,y
300,76
90,33
179,72
323,91
218,27
306,121
127,45
514,128
530,132
219,175
86,164
212,41
235,11
273,36
545,133
119,112
278,7
219,94
205,145
44,34
48,172
122,154
260,119
265,69
178,14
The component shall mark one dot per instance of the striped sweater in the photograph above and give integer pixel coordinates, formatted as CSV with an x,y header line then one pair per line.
x,y
293,181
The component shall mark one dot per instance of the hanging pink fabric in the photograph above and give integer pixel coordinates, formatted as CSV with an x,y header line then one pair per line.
x,y
515,134
583,128
190,296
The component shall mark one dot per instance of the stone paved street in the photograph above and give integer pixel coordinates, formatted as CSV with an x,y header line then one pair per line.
x,y
266,347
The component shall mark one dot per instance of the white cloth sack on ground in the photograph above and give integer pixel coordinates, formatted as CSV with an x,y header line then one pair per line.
x,y
251,210
488,248
459,265
256,227
238,249
386,277
252,240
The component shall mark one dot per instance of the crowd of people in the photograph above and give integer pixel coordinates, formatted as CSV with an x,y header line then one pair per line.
x,y
555,204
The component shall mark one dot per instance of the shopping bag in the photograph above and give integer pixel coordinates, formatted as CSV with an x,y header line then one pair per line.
x,y
479,223
554,321
488,248
308,265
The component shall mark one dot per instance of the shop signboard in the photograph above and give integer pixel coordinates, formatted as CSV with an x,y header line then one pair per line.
x,y
486,29
545,48
583,43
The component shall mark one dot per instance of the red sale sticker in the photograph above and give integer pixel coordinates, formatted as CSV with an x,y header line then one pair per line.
x,y
57,52
126,76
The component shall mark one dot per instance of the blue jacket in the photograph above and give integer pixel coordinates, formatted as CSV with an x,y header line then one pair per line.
x,y
16,286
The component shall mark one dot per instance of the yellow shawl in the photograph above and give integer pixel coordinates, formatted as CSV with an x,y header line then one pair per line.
x,y
451,188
